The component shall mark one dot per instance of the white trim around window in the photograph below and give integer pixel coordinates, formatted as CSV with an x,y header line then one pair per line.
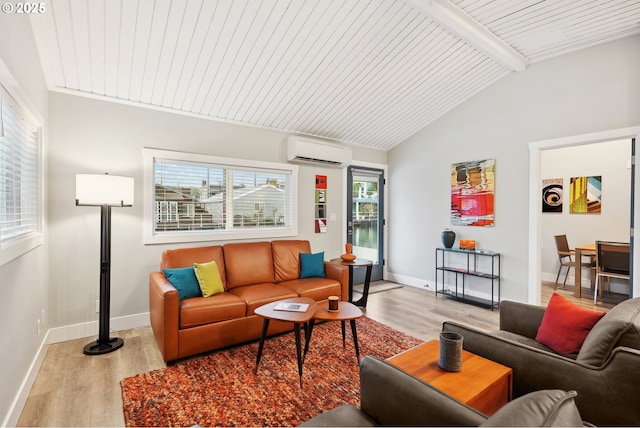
x,y
167,221
21,171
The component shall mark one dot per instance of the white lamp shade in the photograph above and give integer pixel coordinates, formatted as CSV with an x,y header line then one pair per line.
x,y
104,189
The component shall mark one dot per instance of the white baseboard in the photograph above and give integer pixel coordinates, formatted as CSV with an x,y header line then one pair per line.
x,y
62,334
408,280
11,420
430,285
88,329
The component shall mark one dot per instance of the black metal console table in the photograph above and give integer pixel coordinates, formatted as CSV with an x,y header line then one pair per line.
x,y
471,269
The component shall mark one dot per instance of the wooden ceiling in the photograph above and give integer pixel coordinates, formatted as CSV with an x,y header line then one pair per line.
x,y
364,72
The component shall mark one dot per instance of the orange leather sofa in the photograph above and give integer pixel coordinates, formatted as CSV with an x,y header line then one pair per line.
x,y
253,274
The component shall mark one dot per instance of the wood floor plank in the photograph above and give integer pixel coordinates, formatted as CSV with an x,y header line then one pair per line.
x,y
73,389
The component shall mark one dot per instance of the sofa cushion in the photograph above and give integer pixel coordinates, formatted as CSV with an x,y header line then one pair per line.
x,y
523,340
312,265
260,294
316,288
248,263
184,280
565,325
207,310
286,258
208,278
619,327
186,257
538,409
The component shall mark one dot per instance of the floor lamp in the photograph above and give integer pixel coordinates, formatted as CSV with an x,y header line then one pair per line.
x,y
105,191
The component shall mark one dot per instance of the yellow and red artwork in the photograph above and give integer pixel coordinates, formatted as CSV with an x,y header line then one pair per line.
x,y
585,194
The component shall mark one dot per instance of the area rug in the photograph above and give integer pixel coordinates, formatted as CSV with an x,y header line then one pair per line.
x,y
221,389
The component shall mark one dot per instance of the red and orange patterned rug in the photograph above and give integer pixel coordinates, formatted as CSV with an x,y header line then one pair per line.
x,y
221,389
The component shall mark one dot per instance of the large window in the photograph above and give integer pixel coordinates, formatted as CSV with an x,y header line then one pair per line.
x,y
200,198
20,173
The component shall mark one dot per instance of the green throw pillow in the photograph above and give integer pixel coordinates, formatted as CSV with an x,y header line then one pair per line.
x,y
208,278
184,280
312,265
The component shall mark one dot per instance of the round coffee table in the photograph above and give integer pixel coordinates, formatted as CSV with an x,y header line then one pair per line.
x,y
346,312
269,312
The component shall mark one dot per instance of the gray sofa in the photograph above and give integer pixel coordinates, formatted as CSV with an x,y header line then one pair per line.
x,y
605,373
390,396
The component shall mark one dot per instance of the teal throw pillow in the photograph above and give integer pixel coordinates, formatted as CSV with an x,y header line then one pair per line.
x,y
185,281
312,265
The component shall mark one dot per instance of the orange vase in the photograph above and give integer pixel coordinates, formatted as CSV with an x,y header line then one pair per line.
x,y
347,256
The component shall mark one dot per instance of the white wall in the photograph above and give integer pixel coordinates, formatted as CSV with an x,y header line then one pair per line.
x,y
95,136
587,91
23,281
608,160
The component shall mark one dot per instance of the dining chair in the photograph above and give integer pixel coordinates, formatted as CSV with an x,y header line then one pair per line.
x,y
613,260
565,255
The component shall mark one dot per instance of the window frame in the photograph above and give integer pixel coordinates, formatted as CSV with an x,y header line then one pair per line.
x,y
15,247
150,236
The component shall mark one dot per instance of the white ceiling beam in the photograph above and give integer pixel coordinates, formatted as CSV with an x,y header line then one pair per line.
x,y
461,24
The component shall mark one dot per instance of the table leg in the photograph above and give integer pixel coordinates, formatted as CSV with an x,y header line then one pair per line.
x,y
307,335
343,333
296,329
263,335
577,275
365,292
355,338
350,284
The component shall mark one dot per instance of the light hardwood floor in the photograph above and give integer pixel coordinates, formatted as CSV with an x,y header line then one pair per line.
x,y
72,389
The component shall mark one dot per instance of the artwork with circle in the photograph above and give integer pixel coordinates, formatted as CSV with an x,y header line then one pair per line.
x,y
552,189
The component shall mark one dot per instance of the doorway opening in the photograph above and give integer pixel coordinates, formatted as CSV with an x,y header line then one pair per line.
x,y
535,201
603,172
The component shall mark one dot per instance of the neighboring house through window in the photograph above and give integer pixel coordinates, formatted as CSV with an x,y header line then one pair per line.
x,y
200,198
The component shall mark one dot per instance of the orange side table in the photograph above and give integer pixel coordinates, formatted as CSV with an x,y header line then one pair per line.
x,y
482,384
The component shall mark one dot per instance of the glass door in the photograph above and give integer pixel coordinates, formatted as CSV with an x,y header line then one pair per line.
x,y
365,218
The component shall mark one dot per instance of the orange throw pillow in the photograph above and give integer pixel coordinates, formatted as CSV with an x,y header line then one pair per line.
x,y
565,325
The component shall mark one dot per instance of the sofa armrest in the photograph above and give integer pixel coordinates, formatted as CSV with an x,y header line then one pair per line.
x,y
343,416
606,394
341,274
520,318
391,396
164,314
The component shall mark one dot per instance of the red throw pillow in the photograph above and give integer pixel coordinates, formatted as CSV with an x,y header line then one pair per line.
x,y
565,325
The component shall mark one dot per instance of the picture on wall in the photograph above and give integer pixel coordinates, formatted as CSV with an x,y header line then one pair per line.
x,y
585,194
320,201
472,193
552,195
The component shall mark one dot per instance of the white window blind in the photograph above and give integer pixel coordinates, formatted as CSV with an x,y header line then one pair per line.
x,y
215,198
20,173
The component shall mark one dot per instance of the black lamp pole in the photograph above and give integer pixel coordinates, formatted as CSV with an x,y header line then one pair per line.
x,y
104,344
104,191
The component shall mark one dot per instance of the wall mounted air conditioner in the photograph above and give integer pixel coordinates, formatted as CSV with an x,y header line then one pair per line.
x,y
308,150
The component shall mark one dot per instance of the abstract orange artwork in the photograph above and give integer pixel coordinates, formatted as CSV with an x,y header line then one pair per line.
x,y
472,193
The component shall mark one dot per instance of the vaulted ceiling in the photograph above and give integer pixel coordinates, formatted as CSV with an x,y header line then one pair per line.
x,y
364,72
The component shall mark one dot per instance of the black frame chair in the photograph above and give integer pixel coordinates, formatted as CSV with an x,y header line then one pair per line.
x,y
613,260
